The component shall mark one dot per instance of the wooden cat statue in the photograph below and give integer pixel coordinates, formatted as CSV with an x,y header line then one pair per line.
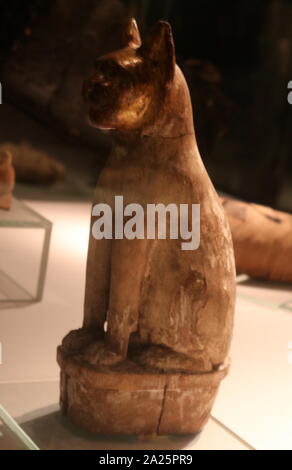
x,y
158,318
7,179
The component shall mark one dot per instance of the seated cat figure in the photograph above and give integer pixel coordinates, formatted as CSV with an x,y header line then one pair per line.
x,y
7,180
165,309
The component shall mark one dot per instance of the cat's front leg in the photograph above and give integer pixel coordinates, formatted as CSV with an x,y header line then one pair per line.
x,y
128,270
97,284
96,298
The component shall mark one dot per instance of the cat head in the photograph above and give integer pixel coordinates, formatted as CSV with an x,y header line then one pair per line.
x,y
128,87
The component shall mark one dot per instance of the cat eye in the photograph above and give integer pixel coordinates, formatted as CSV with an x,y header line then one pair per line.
x,y
101,80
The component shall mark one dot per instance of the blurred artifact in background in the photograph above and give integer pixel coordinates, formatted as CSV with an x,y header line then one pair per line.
x,y
33,166
158,320
262,239
7,179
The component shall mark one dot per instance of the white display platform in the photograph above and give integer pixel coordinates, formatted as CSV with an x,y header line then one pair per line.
x,y
253,408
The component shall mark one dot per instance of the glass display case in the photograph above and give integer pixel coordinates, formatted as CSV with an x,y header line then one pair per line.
x,y
12,435
24,248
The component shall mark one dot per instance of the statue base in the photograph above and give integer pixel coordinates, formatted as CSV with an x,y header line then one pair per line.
x,y
135,401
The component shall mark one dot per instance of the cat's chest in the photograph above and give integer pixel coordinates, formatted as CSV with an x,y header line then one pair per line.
x,y
136,181
148,173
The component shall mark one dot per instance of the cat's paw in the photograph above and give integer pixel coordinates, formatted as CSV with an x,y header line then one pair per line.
x,y
75,341
98,353
166,360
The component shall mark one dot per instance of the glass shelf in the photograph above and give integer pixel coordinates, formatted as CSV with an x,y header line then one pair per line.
x,y
12,435
24,249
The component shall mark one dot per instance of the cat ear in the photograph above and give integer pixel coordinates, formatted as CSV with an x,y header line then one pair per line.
x,y
159,47
131,36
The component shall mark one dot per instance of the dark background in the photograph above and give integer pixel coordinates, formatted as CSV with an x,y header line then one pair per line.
x,y
236,56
